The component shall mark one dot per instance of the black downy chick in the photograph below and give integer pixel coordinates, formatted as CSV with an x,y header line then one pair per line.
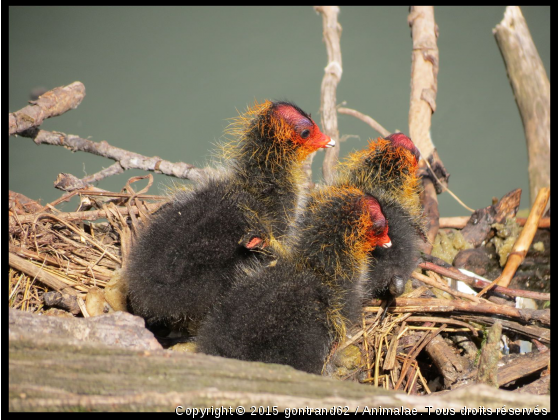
x,y
387,170
184,259
292,312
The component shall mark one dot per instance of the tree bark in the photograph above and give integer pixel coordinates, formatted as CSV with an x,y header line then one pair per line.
x,y
531,89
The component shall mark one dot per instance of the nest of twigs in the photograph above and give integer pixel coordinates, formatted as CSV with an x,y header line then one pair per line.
x,y
432,338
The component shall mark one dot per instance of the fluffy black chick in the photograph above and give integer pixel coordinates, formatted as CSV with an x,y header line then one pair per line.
x,y
185,257
291,312
387,170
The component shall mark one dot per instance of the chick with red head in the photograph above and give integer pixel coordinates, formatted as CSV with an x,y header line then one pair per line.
x,y
293,311
183,260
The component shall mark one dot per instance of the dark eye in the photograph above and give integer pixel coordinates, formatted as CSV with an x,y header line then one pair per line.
x,y
305,133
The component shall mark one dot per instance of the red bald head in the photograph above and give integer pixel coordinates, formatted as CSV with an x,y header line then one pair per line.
x,y
400,140
379,233
306,132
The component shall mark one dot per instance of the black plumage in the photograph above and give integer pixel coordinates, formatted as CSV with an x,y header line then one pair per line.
x,y
292,311
387,170
184,258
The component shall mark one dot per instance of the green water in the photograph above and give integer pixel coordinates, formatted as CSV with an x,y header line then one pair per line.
x,y
163,81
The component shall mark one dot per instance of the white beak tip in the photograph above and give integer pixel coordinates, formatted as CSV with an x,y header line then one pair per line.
x,y
387,245
331,143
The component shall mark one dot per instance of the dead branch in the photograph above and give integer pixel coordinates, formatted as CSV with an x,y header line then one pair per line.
x,y
531,331
443,287
333,74
126,159
68,182
519,250
404,305
455,274
531,89
365,118
50,104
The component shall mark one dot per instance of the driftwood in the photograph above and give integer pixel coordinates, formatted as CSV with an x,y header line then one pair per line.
x,y
531,89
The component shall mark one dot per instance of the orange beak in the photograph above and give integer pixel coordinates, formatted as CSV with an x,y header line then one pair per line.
x,y
326,142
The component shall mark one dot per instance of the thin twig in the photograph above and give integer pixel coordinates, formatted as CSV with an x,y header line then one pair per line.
x,y
365,118
405,305
443,287
127,159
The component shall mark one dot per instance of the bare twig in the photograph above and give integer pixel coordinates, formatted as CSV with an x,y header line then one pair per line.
x,y
443,287
519,250
50,104
365,118
114,169
126,159
333,74
384,133
531,88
